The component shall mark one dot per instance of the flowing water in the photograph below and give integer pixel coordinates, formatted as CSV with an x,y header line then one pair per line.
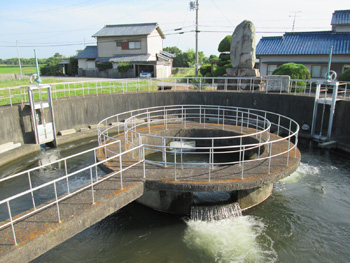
x,y
307,219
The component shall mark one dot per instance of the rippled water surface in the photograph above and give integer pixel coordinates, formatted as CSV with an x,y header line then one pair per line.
x,y
307,219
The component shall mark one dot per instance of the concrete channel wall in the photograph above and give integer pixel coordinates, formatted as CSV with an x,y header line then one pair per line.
x,y
80,112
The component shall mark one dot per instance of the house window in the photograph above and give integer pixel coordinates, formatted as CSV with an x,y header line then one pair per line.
x,y
135,45
318,71
270,69
130,45
315,71
119,44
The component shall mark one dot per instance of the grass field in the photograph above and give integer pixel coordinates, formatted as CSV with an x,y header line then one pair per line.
x,y
26,69
19,95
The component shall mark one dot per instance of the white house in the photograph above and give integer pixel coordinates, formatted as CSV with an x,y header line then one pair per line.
x,y
309,48
139,45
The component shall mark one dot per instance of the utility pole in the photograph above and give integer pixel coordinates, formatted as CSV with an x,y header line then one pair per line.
x,y
195,5
19,60
295,16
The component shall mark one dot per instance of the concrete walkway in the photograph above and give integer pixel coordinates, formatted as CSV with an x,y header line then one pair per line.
x,y
41,232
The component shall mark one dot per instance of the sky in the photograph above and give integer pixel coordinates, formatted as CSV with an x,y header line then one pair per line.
x,y
65,26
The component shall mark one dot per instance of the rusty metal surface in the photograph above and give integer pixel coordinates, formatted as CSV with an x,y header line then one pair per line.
x,y
222,178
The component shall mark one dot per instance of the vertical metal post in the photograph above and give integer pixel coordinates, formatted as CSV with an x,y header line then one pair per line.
x,y
11,221
332,109
144,162
223,119
121,170
92,186
31,192
58,208
317,96
242,166
95,159
164,151
66,173
270,153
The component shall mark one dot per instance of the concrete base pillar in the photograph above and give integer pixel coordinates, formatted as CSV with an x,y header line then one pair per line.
x,y
181,202
167,201
252,197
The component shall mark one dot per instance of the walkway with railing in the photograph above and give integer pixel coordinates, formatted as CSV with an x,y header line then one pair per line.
x,y
19,94
39,210
35,207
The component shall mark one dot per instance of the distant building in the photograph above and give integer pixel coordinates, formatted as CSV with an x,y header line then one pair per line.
x,y
140,45
309,48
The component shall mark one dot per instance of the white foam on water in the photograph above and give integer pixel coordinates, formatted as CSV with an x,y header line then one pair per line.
x,y
239,239
187,146
303,170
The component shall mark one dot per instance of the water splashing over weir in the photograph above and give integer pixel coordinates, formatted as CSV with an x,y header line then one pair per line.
x,y
215,212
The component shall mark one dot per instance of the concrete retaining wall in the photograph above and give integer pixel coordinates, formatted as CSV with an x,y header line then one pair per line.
x,y
75,113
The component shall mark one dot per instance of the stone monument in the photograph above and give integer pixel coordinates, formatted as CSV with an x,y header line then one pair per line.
x,y
243,51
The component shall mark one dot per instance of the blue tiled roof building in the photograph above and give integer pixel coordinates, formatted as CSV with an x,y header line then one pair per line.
x,y
309,48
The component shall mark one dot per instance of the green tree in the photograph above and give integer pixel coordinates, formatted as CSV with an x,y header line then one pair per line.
x,y
295,71
213,58
178,60
73,66
225,44
345,76
52,67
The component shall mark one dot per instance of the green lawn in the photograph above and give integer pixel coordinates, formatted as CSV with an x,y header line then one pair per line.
x,y
69,90
26,69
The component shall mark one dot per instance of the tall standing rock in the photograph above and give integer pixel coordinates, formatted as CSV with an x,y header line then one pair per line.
x,y
243,51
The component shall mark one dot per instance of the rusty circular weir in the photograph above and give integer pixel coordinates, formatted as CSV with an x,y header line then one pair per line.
x,y
275,149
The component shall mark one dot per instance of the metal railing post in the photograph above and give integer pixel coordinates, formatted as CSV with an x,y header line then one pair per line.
x,y
92,186
31,192
11,221
270,153
242,163
121,171
66,173
144,162
57,205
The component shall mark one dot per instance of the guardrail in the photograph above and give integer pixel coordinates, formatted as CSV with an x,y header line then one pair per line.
x,y
61,188
251,123
19,94
256,124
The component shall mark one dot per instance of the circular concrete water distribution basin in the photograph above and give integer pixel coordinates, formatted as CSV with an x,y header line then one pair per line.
x,y
186,149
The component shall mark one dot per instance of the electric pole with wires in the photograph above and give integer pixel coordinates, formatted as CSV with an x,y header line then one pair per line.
x,y
194,6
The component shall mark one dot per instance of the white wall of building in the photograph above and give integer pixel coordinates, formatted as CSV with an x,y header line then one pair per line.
x,y
85,64
107,46
154,43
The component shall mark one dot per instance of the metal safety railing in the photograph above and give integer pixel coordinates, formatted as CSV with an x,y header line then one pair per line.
x,y
61,187
19,94
253,130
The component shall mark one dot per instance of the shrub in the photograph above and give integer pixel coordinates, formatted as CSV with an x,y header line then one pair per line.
x,y
53,70
225,44
104,66
345,76
222,63
52,67
225,56
220,71
204,69
295,71
123,67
